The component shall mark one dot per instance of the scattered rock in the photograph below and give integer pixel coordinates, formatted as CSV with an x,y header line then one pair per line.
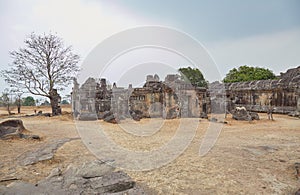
x,y
261,150
294,114
298,192
136,115
203,115
40,113
297,167
254,115
94,177
41,154
223,122
46,114
110,117
213,120
87,117
35,137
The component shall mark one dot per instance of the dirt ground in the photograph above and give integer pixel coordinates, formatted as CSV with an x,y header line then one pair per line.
x,y
248,158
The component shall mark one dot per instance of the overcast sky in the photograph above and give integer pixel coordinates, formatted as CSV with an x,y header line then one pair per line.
x,y
264,33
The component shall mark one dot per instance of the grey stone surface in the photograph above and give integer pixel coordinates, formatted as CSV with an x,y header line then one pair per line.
x,y
261,150
44,153
94,177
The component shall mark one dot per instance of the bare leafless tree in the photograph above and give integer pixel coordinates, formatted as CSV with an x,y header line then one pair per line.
x,y
6,100
17,92
42,66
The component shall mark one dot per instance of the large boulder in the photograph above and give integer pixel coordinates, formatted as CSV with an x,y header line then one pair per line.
x,y
240,113
12,127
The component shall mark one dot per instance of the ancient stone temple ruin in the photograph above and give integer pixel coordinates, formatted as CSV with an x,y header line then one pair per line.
x,y
173,97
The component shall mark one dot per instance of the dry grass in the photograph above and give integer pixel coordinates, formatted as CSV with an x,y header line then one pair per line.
x,y
239,163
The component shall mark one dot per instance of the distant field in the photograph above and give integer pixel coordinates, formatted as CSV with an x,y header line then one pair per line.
x,y
30,109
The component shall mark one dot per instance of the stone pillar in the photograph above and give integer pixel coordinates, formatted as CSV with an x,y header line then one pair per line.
x,y
75,98
298,100
55,102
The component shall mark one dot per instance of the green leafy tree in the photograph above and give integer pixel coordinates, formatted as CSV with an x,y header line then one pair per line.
x,y
45,103
194,76
246,73
28,101
43,65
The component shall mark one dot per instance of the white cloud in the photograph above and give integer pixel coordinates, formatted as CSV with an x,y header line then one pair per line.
x,y
82,24
278,51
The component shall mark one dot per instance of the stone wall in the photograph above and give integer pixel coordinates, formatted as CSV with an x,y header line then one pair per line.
x,y
281,94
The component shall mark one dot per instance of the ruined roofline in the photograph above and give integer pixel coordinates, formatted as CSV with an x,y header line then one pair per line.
x,y
256,85
171,80
288,80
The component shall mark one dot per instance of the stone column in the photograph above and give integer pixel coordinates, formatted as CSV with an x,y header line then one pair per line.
x,y
55,101
298,100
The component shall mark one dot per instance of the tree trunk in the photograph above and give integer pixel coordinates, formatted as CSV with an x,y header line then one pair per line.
x,y
8,109
19,105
